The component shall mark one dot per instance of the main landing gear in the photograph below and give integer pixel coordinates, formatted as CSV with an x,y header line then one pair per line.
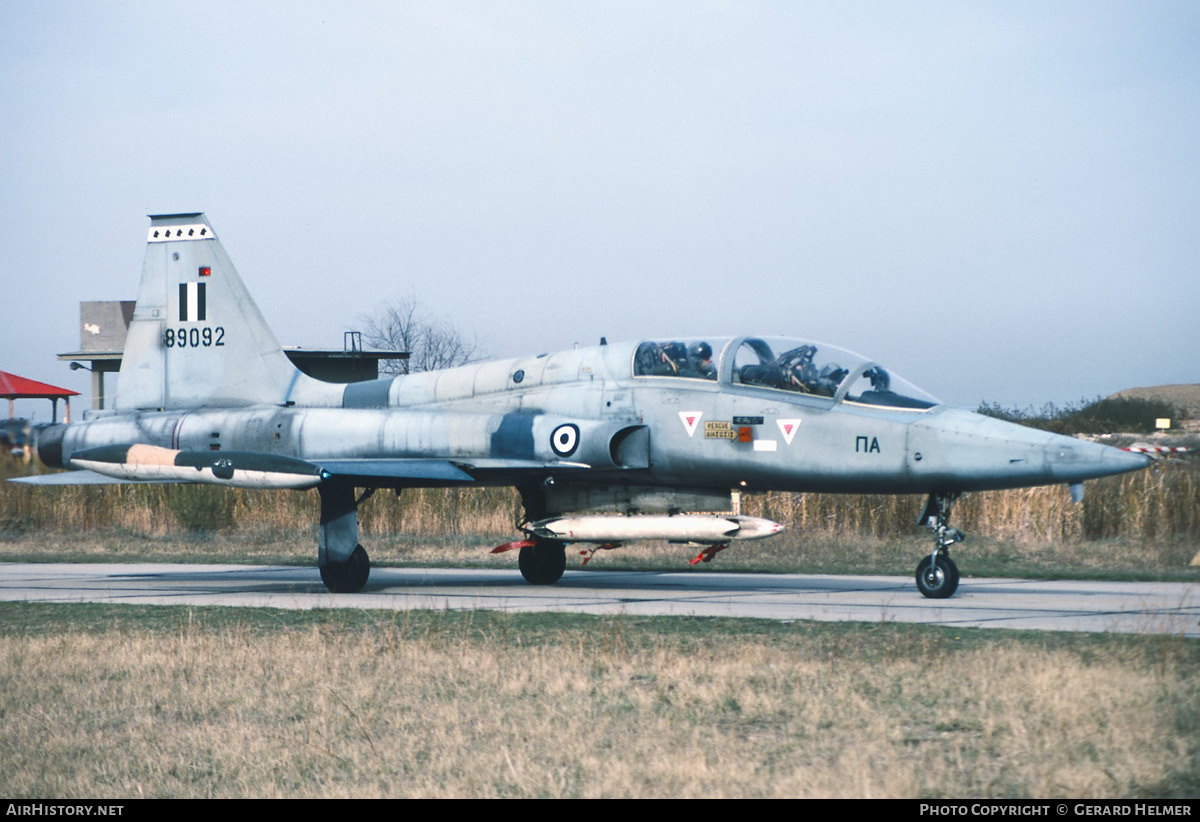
x,y
542,561
344,563
350,576
937,575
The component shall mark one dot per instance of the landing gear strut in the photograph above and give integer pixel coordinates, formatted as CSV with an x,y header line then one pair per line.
x,y
937,575
543,562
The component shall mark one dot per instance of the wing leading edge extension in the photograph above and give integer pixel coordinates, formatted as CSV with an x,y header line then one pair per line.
x,y
255,469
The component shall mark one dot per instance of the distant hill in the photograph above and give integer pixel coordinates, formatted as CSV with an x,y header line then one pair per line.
x,y
1184,397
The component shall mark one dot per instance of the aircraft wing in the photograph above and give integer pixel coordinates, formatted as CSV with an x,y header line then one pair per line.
x,y
139,464
406,470
436,471
518,467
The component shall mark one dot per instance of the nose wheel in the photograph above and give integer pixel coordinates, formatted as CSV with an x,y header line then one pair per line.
x,y
937,576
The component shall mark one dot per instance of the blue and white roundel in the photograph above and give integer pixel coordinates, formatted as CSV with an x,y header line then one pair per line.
x,y
565,439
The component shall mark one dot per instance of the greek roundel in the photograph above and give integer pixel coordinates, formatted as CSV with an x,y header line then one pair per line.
x,y
565,439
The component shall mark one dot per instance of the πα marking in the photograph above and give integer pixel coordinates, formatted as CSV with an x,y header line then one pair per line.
x,y
866,445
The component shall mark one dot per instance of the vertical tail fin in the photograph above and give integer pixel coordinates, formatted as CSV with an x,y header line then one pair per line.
x,y
197,338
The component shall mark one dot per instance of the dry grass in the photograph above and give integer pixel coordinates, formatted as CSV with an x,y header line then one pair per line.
x,y
1163,502
157,510
500,706
1144,525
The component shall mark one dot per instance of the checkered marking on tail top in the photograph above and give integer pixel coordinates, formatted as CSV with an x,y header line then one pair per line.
x,y
175,233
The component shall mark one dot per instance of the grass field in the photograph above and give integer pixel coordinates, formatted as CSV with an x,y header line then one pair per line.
x,y
112,701
1144,525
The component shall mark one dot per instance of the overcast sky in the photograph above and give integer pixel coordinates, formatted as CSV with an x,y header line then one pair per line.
x,y
999,201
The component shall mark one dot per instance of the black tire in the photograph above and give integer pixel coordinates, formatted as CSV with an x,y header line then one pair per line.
x,y
350,576
937,581
543,562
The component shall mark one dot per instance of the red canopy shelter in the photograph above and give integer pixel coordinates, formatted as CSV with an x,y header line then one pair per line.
x,y
13,387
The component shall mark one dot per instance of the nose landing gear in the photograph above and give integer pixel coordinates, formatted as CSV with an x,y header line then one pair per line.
x,y
937,575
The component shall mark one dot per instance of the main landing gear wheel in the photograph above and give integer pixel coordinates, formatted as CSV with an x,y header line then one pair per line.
x,y
937,580
543,562
350,576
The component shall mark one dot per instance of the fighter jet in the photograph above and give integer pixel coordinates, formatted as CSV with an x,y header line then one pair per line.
x,y
650,439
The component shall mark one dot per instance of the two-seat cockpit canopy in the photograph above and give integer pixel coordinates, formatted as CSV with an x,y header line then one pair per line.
x,y
782,364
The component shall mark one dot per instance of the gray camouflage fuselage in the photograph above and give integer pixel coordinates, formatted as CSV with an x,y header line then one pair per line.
x,y
630,432
664,428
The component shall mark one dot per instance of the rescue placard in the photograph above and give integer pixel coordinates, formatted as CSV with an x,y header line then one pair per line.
x,y
719,430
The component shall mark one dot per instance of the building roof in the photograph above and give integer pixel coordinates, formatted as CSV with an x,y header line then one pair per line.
x,y
13,387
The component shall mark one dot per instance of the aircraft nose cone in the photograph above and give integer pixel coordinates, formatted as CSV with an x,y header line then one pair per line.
x,y
1072,460
1121,461
961,449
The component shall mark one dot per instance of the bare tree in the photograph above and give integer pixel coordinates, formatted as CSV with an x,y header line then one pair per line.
x,y
432,343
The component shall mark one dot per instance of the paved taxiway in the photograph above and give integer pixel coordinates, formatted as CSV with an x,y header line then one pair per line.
x,y
1124,607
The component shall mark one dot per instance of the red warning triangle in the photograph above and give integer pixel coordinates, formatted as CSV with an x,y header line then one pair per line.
x,y
690,420
788,429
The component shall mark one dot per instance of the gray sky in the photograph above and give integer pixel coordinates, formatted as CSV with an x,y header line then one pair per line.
x,y
996,200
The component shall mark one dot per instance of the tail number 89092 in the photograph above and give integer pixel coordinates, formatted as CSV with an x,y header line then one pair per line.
x,y
194,337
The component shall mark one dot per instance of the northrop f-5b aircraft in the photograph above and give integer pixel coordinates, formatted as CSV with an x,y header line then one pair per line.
x,y
652,439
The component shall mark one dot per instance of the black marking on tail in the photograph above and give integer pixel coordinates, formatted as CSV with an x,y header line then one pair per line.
x,y
192,309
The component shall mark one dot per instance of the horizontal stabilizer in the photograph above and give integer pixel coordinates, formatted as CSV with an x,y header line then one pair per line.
x,y
73,478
